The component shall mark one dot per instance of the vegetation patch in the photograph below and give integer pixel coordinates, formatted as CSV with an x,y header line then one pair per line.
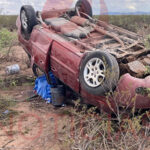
x,y
6,111
92,130
147,43
6,38
8,21
17,81
129,22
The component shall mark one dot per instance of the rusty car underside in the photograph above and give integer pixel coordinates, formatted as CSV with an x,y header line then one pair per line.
x,y
92,35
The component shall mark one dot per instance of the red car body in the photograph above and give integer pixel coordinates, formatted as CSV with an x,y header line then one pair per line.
x,y
48,50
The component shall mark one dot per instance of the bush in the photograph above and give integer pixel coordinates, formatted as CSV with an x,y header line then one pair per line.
x,y
6,38
92,131
147,42
129,22
8,21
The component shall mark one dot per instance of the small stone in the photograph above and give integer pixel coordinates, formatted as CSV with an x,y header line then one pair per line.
x,y
137,67
148,55
6,112
147,61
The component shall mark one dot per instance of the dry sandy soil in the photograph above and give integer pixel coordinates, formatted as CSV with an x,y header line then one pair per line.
x,y
37,125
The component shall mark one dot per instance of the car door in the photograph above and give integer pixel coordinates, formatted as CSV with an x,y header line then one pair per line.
x,y
65,63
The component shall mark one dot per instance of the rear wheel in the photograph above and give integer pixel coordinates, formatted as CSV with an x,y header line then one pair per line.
x,y
83,6
28,20
99,73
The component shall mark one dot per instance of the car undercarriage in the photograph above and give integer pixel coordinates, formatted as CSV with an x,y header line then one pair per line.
x,y
89,35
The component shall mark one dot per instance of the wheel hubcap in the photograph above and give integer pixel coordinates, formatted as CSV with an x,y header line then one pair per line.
x,y
94,72
24,20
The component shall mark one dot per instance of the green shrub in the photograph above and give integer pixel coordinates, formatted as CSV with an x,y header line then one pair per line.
x,y
6,38
147,42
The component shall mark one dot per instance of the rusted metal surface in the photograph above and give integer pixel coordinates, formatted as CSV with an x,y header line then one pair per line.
x,y
137,67
119,42
99,35
148,55
110,35
79,21
123,44
146,61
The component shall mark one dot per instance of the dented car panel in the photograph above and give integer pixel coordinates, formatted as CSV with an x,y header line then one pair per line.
x,y
132,91
53,49
46,47
65,64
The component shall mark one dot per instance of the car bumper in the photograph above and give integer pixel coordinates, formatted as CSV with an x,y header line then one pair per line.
x,y
127,94
133,91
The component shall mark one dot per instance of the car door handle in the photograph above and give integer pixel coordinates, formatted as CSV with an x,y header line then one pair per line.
x,y
53,69
41,62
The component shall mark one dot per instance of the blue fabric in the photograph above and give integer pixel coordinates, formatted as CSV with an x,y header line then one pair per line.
x,y
42,87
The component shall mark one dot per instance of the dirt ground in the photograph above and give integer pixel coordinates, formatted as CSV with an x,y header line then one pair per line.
x,y
29,124
37,125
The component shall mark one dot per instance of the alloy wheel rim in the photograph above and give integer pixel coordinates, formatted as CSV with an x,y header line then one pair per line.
x,y
94,72
24,20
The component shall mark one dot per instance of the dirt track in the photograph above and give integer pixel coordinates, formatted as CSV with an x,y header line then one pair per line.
x,y
35,126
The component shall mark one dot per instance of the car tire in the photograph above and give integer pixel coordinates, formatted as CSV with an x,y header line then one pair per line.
x,y
28,20
84,6
99,73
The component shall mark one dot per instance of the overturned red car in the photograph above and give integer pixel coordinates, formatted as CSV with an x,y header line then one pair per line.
x,y
105,64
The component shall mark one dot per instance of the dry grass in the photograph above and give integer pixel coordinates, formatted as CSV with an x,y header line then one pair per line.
x,y
130,22
8,22
8,39
94,131
6,111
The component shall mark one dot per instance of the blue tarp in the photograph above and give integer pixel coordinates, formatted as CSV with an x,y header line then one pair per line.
x,y
42,87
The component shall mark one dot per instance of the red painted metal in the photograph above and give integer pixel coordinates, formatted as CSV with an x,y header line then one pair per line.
x,y
49,50
124,95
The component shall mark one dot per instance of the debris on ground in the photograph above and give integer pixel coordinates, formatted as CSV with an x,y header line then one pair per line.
x,y
43,89
52,93
13,69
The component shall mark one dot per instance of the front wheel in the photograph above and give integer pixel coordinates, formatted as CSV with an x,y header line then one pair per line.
x,y
99,73
28,20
